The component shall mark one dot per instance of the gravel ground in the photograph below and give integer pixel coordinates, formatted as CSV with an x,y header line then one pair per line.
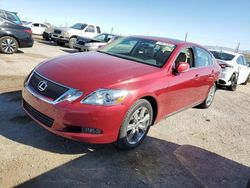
x,y
195,148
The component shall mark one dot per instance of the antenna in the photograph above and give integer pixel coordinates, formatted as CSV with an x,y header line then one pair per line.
x,y
237,48
186,36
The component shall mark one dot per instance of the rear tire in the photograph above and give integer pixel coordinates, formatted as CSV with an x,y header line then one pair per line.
x,y
210,97
8,45
72,42
233,85
136,125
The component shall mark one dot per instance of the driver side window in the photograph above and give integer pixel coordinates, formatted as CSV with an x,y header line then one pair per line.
x,y
186,55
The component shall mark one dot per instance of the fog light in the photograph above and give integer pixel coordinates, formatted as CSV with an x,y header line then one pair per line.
x,y
91,130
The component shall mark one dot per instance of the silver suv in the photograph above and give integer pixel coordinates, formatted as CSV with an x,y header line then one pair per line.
x,y
69,34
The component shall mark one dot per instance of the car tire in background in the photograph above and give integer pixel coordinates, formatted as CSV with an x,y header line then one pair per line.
x,y
233,85
136,125
72,42
210,97
8,45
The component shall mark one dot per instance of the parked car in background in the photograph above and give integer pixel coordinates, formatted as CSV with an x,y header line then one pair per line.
x,y
116,93
13,36
11,16
47,33
26,23
234,69
39,28
86,44
69,35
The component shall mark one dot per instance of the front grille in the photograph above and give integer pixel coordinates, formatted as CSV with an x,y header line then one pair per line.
x,y
57,31
45,120
52,91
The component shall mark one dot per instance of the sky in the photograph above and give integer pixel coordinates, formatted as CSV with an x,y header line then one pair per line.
x,y
211,22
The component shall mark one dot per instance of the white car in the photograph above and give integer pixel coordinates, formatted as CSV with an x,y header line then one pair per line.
x,y
38,28
234,68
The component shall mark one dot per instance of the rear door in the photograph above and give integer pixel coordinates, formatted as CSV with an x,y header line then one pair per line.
x,y
243,69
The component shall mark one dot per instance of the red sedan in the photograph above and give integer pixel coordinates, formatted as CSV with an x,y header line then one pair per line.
x,y
118,92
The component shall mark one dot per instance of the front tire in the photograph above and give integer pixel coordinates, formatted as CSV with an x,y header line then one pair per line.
x,y
8,45
72,42
136,125
210,97
233,85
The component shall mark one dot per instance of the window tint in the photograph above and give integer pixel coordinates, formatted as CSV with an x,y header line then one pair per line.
x,y
35,25
90,29
13,17
186,55
202,58
140,50
101,37
42,25
222,56
241,60
79,26
98,29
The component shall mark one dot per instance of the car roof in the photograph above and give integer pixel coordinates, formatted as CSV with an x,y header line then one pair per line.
x,y
167,40
225,51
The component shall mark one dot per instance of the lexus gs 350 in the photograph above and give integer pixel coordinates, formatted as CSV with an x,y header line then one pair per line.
x,y
115,94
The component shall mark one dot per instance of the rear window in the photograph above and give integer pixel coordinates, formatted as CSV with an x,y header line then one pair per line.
x,y
222,56
98,29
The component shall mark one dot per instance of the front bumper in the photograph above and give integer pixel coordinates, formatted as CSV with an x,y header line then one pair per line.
x,y
108,119
60,38
84,48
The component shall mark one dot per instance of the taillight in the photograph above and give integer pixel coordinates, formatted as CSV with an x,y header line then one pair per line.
x,y
28,31
226,66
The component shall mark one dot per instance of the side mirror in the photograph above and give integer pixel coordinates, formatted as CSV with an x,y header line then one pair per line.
x,y
182,67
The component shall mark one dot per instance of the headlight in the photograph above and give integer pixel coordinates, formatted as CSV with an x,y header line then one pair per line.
x,y
70,96
105,97
66,33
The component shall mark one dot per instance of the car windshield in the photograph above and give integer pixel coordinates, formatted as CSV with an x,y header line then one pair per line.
x,y
78,26
140,50
101,37
222,56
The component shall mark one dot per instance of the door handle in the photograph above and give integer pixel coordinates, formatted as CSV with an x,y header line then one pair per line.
x,y
196,77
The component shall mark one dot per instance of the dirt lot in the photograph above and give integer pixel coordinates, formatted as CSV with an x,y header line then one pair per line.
x,y
195,148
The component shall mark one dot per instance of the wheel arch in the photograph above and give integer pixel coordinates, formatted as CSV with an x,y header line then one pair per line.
x,y
154,105
10,35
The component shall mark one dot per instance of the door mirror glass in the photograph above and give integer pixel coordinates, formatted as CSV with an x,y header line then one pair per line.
x,y
182,67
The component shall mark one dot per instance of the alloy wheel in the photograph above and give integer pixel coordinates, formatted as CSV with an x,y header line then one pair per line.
x,y
138,125
210,96
9,45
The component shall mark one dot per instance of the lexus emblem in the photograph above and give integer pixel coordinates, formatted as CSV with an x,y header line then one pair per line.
x,y
42,85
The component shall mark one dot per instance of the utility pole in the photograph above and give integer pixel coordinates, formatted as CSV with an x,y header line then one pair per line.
x,y
186,36
237,48
112,29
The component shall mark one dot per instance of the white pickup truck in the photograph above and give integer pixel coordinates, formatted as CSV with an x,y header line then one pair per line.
x,y
64,35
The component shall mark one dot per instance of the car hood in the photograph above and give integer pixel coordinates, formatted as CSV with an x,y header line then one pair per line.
x,y
93,70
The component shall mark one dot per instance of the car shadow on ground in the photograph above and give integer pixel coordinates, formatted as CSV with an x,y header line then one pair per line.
x,y
156,163
51,43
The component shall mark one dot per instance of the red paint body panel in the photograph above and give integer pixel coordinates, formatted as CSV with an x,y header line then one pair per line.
x,y
90,71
